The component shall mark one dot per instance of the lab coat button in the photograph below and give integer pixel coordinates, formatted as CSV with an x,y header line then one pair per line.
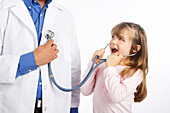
x,y
40,83
45,108
45,87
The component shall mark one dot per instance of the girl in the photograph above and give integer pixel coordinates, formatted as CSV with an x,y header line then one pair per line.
x,y
121,80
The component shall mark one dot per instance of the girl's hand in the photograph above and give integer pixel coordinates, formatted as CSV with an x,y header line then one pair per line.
x,y
100,53
113,60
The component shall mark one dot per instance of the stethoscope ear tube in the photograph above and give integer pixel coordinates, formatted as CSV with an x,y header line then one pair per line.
x,y
84,80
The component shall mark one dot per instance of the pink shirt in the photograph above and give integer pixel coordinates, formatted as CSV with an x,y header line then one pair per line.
x,y
112,94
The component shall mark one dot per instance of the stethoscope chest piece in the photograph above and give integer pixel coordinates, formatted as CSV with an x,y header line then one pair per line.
x,y
49,34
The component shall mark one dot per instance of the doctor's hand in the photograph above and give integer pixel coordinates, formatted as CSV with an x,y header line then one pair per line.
x,y
46,53
100,53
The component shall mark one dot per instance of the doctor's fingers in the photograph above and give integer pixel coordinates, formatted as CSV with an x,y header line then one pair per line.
x,y
55,54
49,43
54,46
56,51
54,57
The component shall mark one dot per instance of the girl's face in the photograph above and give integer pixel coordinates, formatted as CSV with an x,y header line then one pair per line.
x,y
121,44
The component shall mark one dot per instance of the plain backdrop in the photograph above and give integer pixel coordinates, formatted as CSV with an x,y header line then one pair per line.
x,y
94,20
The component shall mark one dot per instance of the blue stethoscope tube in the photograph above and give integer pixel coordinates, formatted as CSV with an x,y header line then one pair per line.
x,y
85,79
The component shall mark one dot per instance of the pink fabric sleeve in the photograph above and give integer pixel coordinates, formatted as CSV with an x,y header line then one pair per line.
x,y
117,89
88,87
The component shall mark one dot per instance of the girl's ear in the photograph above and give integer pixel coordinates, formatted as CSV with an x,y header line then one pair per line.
x,y
136,49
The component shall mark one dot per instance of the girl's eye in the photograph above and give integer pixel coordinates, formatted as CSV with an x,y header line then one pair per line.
x,y
113,37
121,39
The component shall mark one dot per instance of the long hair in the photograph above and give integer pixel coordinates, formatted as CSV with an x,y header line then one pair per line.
x,y
138,61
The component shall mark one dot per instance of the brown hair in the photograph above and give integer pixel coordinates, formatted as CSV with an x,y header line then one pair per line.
x,y
138,61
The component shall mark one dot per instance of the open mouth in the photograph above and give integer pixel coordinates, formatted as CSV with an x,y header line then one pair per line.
x,y
114,50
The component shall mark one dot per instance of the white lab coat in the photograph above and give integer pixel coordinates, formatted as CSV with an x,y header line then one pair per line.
x,y
17,37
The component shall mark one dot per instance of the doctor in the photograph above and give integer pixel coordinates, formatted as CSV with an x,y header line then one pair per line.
x,y
25,86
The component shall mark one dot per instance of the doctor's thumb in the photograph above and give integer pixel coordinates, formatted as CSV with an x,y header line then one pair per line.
x,y
49,43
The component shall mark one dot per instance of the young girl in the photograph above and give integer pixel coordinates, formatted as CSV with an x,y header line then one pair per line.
x,y
120,81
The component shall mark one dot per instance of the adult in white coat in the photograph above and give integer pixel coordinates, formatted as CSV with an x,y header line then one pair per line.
x,y
18,37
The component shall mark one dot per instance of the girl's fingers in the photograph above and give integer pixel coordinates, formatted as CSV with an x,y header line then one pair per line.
x,y
98,53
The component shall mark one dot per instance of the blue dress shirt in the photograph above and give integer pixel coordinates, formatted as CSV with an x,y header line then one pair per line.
x,y
27,61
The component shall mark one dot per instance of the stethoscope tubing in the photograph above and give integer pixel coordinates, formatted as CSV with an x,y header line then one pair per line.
x,y
83,81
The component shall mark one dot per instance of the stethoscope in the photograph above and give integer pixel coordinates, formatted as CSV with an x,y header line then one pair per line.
x,y
49,34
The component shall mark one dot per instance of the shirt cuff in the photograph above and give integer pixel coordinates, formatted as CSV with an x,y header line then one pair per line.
x,y
26,64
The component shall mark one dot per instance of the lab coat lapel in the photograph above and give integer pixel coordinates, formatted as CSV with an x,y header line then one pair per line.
x,y
50,17
22,13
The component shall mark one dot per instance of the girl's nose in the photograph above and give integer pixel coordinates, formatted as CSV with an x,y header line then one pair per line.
x,y
114,41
